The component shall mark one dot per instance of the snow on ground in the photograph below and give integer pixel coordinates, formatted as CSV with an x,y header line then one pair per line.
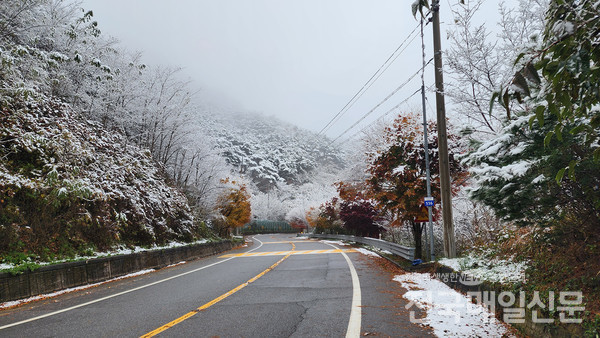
x,y
367,252
334,242
182,262
126,251
495,270
449,313
6,305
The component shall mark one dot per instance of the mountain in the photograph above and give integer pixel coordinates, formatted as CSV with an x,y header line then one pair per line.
x,y
269,152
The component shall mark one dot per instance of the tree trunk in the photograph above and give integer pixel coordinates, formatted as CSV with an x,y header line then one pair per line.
x,y
417,230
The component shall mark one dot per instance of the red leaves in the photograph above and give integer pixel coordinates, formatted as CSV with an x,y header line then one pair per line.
x,y
398,174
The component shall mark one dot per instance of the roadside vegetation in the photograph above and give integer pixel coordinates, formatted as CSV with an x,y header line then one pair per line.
x,y
525,162
100,152
95,154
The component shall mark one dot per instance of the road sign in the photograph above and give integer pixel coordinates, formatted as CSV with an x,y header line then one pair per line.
x,y
423,215
429,202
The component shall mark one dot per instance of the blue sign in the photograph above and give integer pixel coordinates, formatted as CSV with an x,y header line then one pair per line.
x,y
429,202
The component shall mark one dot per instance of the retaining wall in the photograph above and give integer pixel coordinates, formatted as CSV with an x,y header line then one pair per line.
x,y
57,277
530,328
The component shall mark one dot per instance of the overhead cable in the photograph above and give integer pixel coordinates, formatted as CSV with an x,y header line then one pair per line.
x,y
379,118
379,104
372,79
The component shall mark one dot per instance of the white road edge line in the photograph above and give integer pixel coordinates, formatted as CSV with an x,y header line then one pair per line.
x,y
354,324
120,293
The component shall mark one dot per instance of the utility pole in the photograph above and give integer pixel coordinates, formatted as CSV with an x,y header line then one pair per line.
x,y
449,240
426,146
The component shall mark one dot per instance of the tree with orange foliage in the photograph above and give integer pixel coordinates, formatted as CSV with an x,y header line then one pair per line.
x,y
298,223
398,176
311,217
234,205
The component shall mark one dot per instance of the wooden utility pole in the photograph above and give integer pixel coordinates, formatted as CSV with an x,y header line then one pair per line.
x,y
446,193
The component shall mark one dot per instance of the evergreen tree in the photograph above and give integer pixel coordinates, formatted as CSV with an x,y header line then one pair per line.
x,y
561,77
560,80
515,175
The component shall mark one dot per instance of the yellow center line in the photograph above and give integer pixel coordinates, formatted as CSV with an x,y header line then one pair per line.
x,y
304,241
282,253
216,300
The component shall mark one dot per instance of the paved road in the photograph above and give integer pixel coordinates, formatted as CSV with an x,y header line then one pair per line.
x,y
279,286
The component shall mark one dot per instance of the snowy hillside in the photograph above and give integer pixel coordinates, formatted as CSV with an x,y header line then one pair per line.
x,y
68,185
271,152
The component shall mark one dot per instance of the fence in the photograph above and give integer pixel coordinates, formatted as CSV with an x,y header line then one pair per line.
x,y
268,227
396,249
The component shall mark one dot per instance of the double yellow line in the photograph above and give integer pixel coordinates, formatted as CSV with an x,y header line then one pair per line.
x,y
216,300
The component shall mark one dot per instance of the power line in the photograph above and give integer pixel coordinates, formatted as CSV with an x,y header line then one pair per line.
x,y
380,103
371,80
378,76
381,117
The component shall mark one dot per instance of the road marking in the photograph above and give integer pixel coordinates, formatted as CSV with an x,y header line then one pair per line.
x,y
283,253
285,242
216,300
120,293
354,324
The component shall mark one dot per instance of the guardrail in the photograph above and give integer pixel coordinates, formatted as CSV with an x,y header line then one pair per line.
x,y
397,249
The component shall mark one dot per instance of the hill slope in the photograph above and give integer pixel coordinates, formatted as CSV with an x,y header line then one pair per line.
x,y
269,152
67,185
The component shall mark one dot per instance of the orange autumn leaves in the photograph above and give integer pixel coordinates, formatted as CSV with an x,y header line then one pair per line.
x,y
234,204
398,172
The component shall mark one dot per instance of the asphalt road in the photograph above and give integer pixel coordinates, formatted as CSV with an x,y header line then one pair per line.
x,y
279,286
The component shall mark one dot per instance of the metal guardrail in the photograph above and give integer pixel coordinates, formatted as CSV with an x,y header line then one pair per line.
x,y
397,249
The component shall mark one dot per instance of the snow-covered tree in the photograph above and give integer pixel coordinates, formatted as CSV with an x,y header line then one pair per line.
x,y
480,59
515,175
561,75
523,172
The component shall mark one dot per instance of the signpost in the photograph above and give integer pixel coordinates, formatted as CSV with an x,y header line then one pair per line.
x,y
426,215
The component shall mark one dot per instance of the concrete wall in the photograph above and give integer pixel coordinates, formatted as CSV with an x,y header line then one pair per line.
x,y
67,275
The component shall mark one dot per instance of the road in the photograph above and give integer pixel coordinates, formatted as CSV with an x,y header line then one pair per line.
x,y
278,286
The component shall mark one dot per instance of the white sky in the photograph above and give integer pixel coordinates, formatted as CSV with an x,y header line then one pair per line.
x,y
300,61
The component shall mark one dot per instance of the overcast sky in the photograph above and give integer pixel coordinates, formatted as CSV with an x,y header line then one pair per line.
x,y
300,61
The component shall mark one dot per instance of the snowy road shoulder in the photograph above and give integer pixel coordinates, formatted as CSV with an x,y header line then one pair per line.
x,y
367,252
449,312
